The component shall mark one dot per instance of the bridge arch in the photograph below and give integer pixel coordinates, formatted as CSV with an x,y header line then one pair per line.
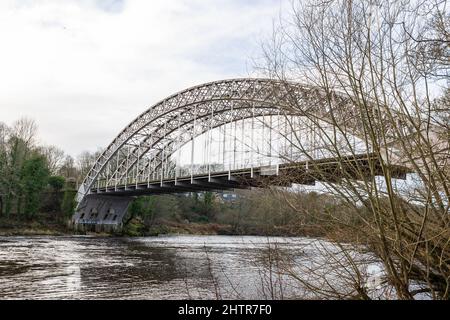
x,y
223,101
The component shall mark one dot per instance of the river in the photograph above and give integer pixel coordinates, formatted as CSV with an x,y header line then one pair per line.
x,y
165,267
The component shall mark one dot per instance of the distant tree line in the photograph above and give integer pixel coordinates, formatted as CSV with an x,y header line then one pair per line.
x,y
256,212
34,177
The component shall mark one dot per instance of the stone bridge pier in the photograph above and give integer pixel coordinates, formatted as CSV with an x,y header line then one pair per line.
x,y
101,213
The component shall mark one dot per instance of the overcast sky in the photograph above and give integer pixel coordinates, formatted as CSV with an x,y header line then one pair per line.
x,y
83,69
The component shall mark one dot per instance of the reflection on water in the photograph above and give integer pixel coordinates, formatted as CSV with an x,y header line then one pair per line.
x,y
73,278
172,267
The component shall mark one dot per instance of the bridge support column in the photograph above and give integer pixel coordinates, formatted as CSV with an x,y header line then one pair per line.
x,y
101,213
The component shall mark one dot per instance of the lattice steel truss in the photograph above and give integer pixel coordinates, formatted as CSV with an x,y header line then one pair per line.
x,y
142,146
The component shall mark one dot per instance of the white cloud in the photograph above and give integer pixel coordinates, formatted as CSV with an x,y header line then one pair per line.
x,y
84,69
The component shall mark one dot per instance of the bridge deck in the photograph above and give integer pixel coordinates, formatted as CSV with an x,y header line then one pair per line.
x,y
305,172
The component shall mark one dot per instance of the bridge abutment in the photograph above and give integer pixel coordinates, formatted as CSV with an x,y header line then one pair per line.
x,y
101,213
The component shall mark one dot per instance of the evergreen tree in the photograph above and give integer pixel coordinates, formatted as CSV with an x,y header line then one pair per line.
x,y
34,178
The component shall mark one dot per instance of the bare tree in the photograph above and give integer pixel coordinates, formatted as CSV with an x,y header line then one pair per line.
x,y
68,168
25,129
377,67
85,161
55,157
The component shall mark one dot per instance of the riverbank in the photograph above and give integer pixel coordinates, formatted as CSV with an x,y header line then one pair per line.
x,y
16,227
43,225
161,227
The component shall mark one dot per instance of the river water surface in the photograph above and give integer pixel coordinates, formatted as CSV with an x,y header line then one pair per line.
x,y
169,267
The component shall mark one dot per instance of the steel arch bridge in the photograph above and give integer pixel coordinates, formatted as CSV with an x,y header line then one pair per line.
x,y
228,123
